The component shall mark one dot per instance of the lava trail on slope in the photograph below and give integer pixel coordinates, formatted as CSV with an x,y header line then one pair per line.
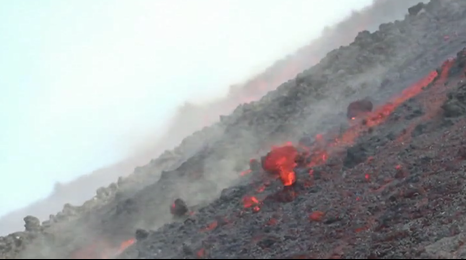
x,y
390,186
305,195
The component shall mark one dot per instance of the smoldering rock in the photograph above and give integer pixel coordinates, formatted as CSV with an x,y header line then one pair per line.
x,y
359,107
178,208
229,193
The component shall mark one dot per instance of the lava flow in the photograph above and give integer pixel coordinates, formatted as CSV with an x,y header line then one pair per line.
x,y
281,161
102,250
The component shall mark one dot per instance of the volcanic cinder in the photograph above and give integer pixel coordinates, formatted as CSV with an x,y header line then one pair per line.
x,y
294,178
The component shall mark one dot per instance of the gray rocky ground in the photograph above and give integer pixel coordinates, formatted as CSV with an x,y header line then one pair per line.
x,y
389,184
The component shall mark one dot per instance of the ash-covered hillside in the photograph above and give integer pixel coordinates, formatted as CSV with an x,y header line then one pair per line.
x,y
358,188
391,185
193,118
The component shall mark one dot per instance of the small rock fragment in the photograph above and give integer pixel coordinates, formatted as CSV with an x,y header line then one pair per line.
x,y
254,165
316,216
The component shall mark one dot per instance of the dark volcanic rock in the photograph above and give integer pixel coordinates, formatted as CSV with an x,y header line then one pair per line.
x,y
414,10
141,234
359,107
31,223
355,155
179,208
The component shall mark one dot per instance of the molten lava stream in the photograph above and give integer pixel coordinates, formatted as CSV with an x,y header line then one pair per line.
x,y
281,161
102,250
381,113
125,245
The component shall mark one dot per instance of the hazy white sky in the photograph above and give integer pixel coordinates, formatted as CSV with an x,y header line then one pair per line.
x,y
80,80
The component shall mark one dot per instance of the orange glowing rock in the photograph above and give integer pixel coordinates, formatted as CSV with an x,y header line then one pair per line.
x,y
316,216
281,161
250,201
246,172
211,226
200,253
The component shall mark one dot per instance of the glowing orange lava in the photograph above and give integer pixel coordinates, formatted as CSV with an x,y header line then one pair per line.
x,y
200,253
125,245
211,226
102,250
249,201
321,153
281,161
316,216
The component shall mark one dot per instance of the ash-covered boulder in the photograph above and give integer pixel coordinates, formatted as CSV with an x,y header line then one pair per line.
x,y
358,108
32,223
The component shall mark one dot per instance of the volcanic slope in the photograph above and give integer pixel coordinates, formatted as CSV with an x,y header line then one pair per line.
x,y
379,65
391,185
343,33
